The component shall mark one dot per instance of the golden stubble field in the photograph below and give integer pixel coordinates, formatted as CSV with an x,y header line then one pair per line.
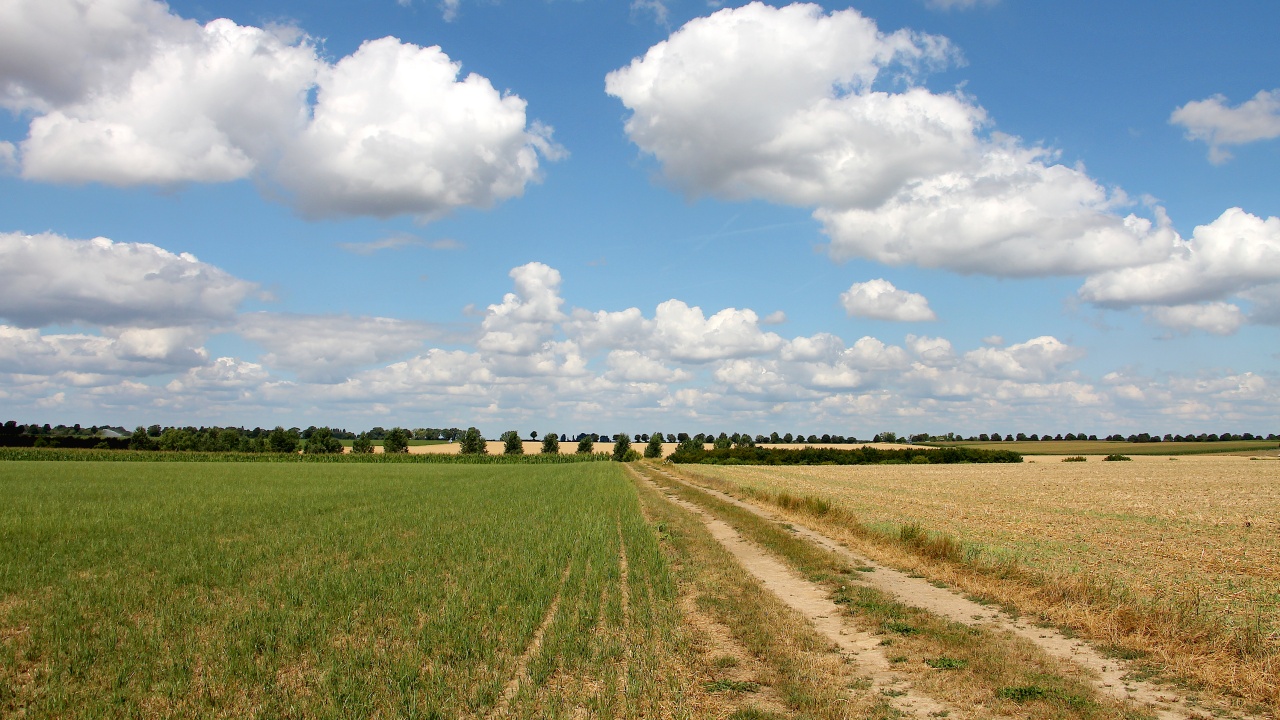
x,y
1193,539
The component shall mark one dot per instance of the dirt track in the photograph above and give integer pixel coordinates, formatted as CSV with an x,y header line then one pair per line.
x,y
1110,674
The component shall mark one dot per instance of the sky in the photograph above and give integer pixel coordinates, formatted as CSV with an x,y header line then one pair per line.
x,y
568,216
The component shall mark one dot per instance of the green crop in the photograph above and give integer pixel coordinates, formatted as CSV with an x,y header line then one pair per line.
x,y
299,589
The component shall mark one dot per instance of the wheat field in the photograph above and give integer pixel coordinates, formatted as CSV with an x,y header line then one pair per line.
x,y
1182,555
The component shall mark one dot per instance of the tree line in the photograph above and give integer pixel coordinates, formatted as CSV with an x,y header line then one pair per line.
x,y
315,439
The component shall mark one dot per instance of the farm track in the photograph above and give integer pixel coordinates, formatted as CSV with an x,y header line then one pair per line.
x,y
810,600
1111,677
503,706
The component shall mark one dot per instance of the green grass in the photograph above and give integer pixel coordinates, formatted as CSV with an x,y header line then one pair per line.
x,y
325,590
1105,447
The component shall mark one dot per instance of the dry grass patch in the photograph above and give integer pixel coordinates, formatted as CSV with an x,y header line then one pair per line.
x,y
1179,561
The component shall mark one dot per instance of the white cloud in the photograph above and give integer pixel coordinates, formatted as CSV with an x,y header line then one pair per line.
x,y
684,334
958,4
1012,214
790,105
1234,253
524,319
632,366
124,92
657,7
47,279
327,348
398,241
395,131
880,300
1215,122
1217,318
777,317
207,105
776,102
134,352
223,374
933,352
1034,360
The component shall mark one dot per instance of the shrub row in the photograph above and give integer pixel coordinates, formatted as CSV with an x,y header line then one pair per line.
x,y
68,454
832,456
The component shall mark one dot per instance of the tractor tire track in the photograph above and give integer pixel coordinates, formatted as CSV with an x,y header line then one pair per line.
x,y
1111,674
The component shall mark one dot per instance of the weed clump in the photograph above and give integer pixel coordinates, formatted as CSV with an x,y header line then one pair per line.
x,y
1116,457
1074,458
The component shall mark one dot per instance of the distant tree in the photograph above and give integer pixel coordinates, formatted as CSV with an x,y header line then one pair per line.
x,y
983,437
1022,437
362,445
533,435
140,440
621,446
654,448
723,442
672,438
550,444
472,443
744,441
511,443
788,438
322,442
396,441
586,445
279,440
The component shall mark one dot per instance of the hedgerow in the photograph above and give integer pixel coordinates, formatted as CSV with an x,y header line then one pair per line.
x,y
866,455
66,454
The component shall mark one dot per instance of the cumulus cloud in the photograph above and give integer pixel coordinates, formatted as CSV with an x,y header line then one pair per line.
x,y
1216,318
127,93
534,361
1219,125
132,352
395,131
880,300
683,333
525,318
1236,252
327,348
47,279
777,102
796,105
1034,360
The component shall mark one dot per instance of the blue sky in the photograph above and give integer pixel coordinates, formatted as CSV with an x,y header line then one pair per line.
x,y
917,215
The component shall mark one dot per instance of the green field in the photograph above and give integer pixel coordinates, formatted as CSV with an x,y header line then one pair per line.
x,y
328,590
1104,447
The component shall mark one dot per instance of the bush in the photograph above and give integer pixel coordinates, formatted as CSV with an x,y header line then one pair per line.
x,y
621,447
586,445
1116,458
472,443
1075,458
321,442
362,445
396,441
279,440
550,444
511,443
654,448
